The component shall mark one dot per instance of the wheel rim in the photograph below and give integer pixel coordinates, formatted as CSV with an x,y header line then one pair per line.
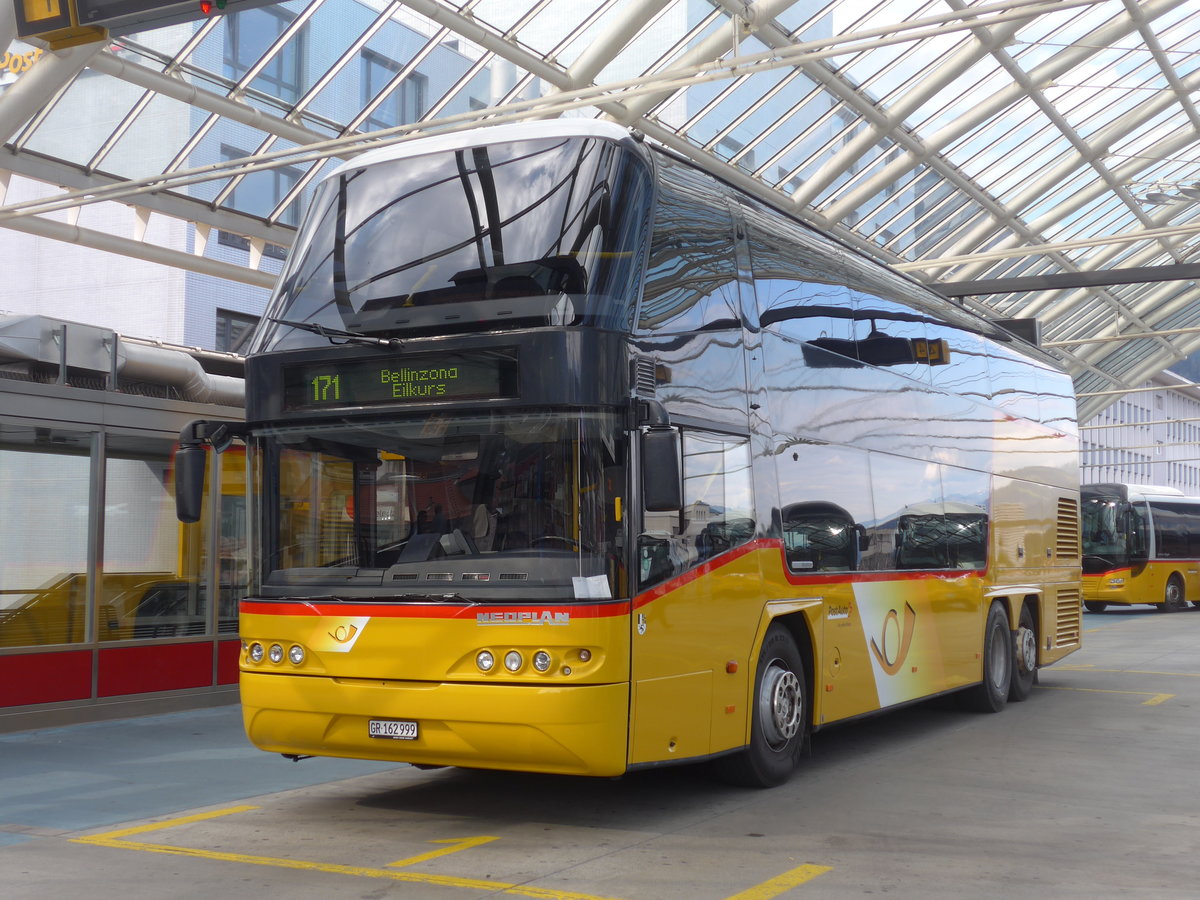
x,y
1174,596
1026,649
780,705
998,662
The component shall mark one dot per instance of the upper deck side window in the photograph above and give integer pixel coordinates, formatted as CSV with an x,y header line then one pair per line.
x,y
691,276
548,231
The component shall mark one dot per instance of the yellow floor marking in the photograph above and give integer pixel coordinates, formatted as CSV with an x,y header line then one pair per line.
x,y
459,844
1155,699
169,823
781,883
117,840
1090,668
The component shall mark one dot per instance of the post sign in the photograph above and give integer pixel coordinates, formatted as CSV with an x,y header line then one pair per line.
x,y
64,23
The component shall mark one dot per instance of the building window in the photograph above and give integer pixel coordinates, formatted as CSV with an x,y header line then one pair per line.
x,y
407,103
249,34
233,330
258,194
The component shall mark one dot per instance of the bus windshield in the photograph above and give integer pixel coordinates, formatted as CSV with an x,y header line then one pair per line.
x,y
471,504
540,232
1104,540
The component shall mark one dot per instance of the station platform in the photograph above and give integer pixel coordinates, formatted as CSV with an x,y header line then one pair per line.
x,y
73,777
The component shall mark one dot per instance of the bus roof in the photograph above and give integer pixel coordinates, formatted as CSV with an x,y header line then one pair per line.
x,y
484,135
1134,491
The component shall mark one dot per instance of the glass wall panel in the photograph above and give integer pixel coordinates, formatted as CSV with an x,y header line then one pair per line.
x,y
44,493
232,539
153,569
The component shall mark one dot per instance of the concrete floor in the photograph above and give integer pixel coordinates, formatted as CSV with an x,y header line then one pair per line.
x,y
1089,789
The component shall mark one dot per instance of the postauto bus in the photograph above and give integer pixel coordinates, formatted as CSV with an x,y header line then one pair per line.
x,y
570,457
1141,545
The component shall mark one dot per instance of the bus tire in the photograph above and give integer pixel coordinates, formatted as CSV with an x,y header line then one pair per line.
x,y
991,694
778,716
1095,605
1025,651
1173,596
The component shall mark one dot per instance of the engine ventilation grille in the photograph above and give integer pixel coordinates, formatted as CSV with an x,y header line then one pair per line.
x,y
645,384
1067,618
1066,535
404,576
439,576
514,576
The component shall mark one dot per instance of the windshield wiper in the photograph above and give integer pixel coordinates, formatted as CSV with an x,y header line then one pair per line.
x,y
348,337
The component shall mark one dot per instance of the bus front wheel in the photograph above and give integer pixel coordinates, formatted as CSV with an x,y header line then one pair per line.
x,y
1173,596
1095,605
992,693
779,716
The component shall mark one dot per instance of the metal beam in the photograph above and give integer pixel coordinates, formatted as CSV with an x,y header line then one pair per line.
x,y
98,240
177,206
1062,280
50,74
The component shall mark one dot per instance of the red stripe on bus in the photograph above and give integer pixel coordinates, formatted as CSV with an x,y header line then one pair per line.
x,y
833,578
717,562
398,610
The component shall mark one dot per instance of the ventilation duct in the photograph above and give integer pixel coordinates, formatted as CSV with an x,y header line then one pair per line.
x,y
88,348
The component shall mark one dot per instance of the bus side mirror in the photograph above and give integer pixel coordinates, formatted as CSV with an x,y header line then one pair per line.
x,y
662,481
864,539
190,463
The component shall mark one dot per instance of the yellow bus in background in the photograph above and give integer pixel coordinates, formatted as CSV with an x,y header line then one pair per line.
x,y
569,457
1141,546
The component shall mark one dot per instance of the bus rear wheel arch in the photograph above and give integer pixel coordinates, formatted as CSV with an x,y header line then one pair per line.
x,y
779,715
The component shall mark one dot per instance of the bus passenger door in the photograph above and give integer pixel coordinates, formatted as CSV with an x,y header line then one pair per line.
x,y
695,607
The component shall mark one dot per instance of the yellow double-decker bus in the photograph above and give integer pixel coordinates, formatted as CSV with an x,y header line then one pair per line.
x,y
1141,545
570,457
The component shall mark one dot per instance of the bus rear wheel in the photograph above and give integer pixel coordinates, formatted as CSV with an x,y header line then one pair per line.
x,y
779,716
1173,596
1025,652
1095,605
991,694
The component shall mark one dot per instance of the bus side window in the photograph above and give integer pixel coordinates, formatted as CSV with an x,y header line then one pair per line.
x,y
691,277
825,493
821,537
798,290
909,531
1135,530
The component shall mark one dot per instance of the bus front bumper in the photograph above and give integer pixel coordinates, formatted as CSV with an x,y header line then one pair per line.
x,y
577,730
1105,589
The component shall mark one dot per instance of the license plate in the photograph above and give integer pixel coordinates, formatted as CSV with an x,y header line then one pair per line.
x,y
392,729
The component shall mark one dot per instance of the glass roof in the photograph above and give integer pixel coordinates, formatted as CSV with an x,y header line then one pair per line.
x,y
962,142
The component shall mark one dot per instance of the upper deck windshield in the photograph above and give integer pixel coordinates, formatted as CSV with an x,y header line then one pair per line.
x,y
475,505
538,232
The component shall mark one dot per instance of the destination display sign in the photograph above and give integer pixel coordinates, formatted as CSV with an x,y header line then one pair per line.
x,y
417,378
